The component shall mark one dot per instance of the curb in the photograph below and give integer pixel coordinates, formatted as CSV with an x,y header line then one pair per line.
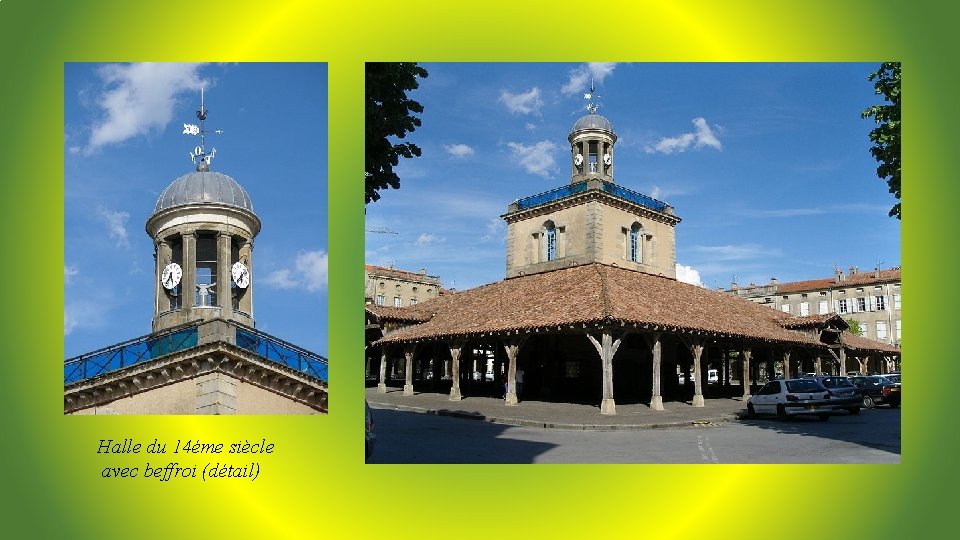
x,y
702,422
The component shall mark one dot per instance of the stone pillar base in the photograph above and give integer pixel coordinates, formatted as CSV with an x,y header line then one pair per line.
x,y
512,399
455,394
698,400
408,389
381,388
656,403
608,407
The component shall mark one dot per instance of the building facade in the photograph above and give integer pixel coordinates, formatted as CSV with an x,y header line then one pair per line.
x,y
871,298
389,286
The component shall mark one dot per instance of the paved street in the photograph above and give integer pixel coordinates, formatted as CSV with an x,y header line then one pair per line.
x,y
413,436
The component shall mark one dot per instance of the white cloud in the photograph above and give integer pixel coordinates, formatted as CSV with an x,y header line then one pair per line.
x,y
116,223
312,265
688,274
731,252
138,99
526,103
83,315
700,137
427,239
458,150
581,76
309,272
70,272
495,228
536,159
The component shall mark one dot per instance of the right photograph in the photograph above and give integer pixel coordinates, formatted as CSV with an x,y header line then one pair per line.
x,y
633,263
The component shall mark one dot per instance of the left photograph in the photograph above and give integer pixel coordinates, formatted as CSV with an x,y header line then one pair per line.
x,y
190,189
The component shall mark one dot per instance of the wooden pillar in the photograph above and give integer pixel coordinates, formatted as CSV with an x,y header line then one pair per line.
x,y
455,349
408,351
697,349
382,386
745,380
656,347
606,348
512,348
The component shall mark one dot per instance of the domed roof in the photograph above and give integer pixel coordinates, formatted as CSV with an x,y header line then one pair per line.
x,y
592,121
204,187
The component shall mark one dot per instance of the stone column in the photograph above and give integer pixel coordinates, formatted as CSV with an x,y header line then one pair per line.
x,y
786,364
818,365
745,380
164,256
607,348
188,290
656,401
382,386
455,350
697,350
246,297
224,289
408,378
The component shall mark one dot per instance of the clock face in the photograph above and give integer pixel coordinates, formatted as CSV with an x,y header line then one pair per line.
x,y
241,276
170,277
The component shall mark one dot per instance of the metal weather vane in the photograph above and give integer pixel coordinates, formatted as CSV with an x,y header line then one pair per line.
x,y
200,154
591,105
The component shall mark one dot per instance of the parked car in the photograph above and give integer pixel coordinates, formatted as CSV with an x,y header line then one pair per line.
x,y
791,397
371,436
877,390
844,395
894,377
713,376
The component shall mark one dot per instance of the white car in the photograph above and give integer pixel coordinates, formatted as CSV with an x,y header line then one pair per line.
x,y
791,397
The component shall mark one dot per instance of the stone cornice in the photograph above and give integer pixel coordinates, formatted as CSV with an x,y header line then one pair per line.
x,y
190,363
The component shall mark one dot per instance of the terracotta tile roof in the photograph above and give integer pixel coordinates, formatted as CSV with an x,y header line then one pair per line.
x,y
859,343
383,271
596,294
851,280
813,321
400,314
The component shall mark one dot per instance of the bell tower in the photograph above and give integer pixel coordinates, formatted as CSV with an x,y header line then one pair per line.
x,y
203,227
591,145
591,219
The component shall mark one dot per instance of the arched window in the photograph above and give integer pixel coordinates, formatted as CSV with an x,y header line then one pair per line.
x,y
550,241
635,248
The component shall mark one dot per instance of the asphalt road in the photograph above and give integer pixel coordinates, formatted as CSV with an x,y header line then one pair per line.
x,y
873,436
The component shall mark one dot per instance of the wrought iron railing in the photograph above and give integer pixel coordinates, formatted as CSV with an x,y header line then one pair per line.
x,y
633,196
281,352
552,195
146,348
581,187
128,353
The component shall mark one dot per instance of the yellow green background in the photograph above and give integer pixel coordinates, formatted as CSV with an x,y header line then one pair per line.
x,y
315,484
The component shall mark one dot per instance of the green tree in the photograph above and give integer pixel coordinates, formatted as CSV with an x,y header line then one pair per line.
x,y
389,113
886,136
855,327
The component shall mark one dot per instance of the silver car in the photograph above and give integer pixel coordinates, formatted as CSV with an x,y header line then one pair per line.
x,y
791,397
844,395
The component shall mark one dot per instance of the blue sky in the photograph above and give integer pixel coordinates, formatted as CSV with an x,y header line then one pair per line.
x,y
768,165
124,144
